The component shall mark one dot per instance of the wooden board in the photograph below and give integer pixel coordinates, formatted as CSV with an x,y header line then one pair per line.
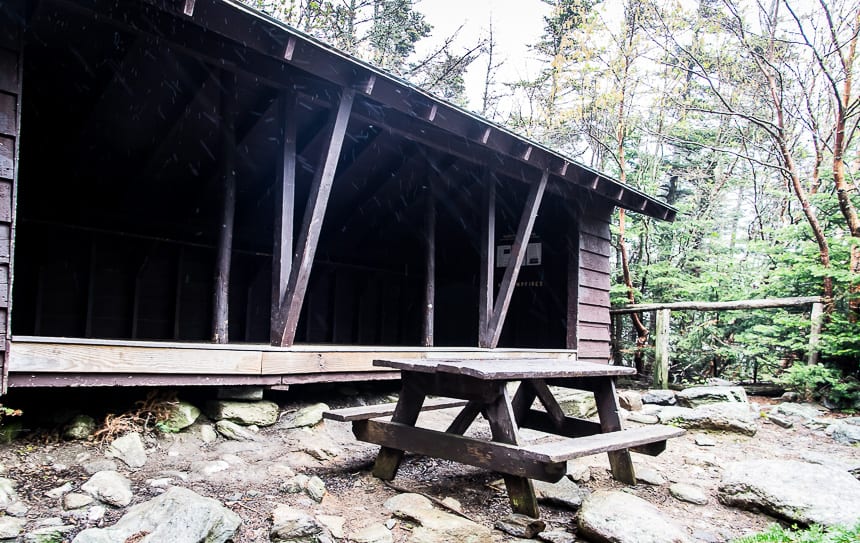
x,y
594,261
363,412
8,114
504,458
594,279
7,165
58,358
568,449
593,332
508,369
9,71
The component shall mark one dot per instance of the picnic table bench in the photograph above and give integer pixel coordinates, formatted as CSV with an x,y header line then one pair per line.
x,y
481,387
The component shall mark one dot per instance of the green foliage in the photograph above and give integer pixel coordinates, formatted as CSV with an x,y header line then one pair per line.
x,y
814,534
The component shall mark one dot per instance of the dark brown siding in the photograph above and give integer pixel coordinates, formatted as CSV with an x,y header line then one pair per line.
x,y
10,93
594,281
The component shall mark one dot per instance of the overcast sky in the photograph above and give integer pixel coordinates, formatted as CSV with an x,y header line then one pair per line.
x,y
516,24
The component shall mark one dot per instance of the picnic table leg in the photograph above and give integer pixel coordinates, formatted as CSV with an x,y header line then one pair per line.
x,y
521,492
607,410
407,411
465,418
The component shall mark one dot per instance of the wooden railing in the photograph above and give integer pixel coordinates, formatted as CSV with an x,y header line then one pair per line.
x,y
664,315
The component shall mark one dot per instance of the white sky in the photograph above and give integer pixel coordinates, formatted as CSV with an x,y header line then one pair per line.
x,y
516,24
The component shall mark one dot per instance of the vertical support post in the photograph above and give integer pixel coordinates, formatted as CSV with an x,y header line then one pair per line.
x,y
221,305
488,264
427,339
661,354
285,189
815,332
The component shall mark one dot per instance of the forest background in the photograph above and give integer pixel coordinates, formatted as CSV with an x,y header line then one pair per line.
x,y
743,114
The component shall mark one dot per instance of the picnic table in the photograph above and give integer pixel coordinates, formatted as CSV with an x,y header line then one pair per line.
x,y
481,387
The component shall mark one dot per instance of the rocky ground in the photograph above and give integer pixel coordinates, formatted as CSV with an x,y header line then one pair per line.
x,y
283,475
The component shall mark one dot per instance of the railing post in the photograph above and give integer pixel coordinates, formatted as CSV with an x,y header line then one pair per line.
x,y
815,332
661,353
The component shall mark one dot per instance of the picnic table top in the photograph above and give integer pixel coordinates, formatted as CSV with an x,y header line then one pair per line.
x,y
532,368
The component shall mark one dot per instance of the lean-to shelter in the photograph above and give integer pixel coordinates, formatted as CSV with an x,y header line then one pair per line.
x,y
194,193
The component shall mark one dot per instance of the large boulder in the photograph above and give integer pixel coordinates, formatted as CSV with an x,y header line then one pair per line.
x,y
796,491
659,397
698,396
575,403
613,516
724,416
845,431
436,526
179,516
294,526
259,413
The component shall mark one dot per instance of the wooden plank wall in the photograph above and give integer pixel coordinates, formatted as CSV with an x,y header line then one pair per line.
x,y
10,98
594,282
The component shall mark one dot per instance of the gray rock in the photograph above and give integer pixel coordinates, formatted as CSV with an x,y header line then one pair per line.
x,y
49,534
578,473
333,524
520,526
689,493
10,528
846,431
790,396
618,517
316,489
557,536
76,500
565,493
575,403
434,525
698,396
375,533
260,413
291,525
96,513
725,416
780,421
129,450
80,427
642,418
659,397
207,433
56,493
630,400
797,491
649,476
109,487
7,492
182,415
296,484
310,415
179,516
17,509
805,411
99,465
280,471
233,431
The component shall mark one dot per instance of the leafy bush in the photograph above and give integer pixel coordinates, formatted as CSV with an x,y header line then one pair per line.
x,y
818,382
814,534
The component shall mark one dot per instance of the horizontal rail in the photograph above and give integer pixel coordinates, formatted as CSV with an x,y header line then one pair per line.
x,y
767,303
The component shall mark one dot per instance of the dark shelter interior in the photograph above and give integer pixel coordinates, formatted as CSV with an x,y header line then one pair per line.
x,y
123,148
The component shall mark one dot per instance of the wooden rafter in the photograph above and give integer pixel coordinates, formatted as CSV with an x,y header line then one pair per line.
x,y
518,253
291,304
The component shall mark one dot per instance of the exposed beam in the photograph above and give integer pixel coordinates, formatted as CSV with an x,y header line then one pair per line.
x,y
221,303
312,220
518,253
488,265
285,187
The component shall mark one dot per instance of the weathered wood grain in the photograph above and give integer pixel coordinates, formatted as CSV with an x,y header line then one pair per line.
x,y
594,244
362,412
593,261
7,165
8,114
594,279
594,332
593,296
9,78
568,449
507,369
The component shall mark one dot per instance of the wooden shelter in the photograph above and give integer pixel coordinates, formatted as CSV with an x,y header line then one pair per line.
x,y
193,193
